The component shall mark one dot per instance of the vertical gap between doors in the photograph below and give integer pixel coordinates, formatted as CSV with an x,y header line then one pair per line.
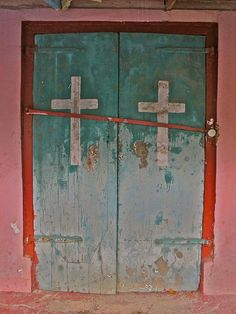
x,y
117,163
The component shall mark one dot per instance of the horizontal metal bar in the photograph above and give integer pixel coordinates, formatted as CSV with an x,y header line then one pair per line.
x,y
57,238
29,111
181,241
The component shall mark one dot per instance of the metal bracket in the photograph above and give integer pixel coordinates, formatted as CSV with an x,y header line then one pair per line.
x,y
182,241
57,238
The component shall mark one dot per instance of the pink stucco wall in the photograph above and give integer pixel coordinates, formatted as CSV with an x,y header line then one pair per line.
x,y
220,275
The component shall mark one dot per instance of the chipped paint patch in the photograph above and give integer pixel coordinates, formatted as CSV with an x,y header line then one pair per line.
x,y
129,271
15,227
92,157
141,151
162,266
178,253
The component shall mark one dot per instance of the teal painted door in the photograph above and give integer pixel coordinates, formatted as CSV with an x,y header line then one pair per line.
x,y
119,208
76,206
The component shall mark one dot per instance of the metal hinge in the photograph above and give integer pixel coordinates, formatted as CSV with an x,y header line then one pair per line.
x,y
57,238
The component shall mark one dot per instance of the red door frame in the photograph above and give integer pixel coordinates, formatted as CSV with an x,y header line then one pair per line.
x,y
30,29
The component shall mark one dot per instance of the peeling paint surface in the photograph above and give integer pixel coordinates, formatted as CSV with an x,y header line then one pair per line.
x,y
92,157
75,206
141,151
157,210
160,208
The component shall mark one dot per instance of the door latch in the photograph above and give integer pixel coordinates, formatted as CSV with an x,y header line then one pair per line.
x,y
213,131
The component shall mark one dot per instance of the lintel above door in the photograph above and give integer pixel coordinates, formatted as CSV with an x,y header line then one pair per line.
x,y
123,4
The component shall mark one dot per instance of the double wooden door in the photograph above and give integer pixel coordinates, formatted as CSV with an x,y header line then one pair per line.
x,y
118,207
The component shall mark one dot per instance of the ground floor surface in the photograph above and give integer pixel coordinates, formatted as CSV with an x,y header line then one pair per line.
x,y
133,303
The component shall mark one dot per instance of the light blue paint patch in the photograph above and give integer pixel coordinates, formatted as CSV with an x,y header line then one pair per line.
x,y
159,219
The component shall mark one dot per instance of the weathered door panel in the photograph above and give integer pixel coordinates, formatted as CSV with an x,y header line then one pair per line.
x,y
160,208
76,206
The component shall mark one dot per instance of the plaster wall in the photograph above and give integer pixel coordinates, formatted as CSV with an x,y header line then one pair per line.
x,y
219,275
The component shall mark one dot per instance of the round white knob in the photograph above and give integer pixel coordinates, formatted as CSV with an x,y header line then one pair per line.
x,y
211,133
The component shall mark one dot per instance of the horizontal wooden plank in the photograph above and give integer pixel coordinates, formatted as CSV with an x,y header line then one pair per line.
x,y
22,4
124,4
206,5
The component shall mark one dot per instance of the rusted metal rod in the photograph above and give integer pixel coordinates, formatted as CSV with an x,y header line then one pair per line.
x,y
30,111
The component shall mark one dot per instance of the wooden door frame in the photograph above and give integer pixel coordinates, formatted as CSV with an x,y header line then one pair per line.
x,y
30,29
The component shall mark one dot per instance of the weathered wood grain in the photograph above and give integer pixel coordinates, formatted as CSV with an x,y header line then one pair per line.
x,y
160,208
76,207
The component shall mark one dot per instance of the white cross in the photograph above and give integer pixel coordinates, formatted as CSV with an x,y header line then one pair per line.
x,y
162,108
75,104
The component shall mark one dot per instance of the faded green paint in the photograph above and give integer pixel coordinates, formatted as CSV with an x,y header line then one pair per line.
x,y
176,150
159,209
74,203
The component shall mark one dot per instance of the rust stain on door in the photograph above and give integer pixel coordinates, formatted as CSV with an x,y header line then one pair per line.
x,y
92,157
141,151
162,266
